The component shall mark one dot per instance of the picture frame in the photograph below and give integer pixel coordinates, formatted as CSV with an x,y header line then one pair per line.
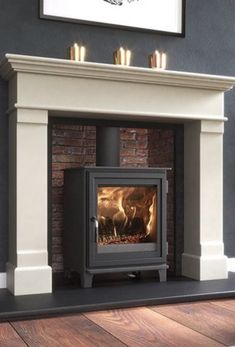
x,y
161,16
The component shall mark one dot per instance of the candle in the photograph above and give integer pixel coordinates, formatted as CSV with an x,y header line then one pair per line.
x,y
157,60
82,53
71,53
76,52
128,57
152,60
163,61
121,56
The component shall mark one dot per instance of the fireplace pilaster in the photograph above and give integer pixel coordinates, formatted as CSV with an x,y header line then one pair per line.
x,y
27,270
203,256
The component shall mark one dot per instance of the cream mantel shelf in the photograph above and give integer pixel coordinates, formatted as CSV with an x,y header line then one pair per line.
x,y
13,63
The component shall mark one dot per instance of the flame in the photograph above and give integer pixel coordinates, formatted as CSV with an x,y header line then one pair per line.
x,y
152,215
127,214
120,215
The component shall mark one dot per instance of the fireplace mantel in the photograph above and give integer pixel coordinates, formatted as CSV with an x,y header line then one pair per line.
x,y
114,90
62,67
42,87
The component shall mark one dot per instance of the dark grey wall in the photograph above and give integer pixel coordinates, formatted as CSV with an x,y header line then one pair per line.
x,y
207,48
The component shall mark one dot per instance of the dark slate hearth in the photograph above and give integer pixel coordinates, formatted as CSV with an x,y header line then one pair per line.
x,y
114,295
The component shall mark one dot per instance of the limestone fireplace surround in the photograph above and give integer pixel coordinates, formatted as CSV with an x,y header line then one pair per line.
x,y
43,87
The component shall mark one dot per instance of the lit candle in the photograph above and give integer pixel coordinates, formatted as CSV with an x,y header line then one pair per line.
x,y
157,59
118,57
128,57
163,61
71,51
121,56
152,60
82,53
76,52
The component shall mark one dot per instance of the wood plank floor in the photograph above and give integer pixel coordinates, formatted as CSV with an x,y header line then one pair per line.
x,y
199,324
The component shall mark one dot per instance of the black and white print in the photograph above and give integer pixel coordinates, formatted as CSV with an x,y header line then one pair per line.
x,y
160,15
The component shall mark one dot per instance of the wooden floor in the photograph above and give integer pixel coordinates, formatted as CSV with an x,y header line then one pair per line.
x,y
205,323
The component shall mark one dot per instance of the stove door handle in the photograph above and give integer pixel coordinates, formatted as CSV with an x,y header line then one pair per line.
x,y
96,225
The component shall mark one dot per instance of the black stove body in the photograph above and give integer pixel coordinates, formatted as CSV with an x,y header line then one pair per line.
x,y
115,221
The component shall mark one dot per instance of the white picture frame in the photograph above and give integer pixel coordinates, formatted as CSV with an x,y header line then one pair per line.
x,y
165,16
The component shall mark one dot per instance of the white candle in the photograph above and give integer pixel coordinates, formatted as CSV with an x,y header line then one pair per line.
x,y
163,61
158,59
82,53
76,52
128,57
121,56
71,53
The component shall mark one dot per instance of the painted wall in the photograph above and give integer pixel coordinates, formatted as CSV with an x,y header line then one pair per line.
x,y
207,48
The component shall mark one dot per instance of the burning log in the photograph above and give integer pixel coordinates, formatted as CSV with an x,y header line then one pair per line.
x,y
137,238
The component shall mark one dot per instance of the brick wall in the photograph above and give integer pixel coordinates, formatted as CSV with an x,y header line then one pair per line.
x,y
75,146
134,147
72,146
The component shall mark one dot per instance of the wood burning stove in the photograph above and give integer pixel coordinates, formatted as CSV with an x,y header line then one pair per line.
x,y
115,221
115,218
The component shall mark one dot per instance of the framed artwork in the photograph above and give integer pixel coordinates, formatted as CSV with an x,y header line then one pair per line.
x,y
165,16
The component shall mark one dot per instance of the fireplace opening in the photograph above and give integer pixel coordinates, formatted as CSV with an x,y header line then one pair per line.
x,y
73,145
121,220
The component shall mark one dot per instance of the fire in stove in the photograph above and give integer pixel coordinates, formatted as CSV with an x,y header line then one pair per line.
x,y
127,215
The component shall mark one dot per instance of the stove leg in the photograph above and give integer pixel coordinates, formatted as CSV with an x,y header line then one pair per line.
x,y
86,280
162,275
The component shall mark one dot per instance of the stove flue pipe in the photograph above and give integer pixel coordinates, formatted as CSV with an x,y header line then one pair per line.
x,y
107,146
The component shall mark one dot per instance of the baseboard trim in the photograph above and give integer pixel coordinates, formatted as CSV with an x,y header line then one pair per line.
x,y
231,264
3,280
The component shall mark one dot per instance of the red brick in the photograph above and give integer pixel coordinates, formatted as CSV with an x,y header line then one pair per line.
x,y
135,144
142,131
128,134
142,137
57,182
57,249
57,224
67,150
68,127
90,134
142,153
90,150
89,143
89,159
57,241
128,152
135,160
75,134
57,258
57,174
63,141
63,166
69,158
